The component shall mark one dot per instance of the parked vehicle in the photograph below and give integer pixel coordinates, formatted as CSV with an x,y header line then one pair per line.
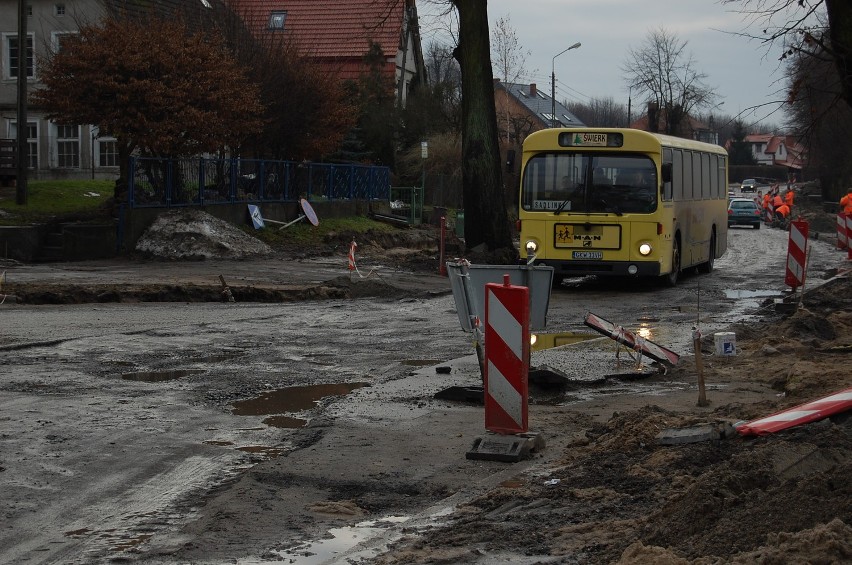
x,y
744,212
748,185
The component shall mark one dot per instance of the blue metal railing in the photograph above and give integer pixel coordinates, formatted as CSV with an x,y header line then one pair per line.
x,y
158,183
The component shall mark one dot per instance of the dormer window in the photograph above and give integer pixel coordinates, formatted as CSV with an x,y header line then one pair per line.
x,y
276,20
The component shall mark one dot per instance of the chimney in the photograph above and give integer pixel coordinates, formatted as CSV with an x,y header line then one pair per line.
x,y
532,90
653,117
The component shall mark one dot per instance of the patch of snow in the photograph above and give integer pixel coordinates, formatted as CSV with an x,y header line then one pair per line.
x,y
194,234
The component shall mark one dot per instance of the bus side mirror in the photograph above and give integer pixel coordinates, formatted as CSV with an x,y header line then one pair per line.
x,y
667,172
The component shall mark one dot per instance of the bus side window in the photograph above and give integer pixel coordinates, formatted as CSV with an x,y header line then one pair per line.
x,y
667,173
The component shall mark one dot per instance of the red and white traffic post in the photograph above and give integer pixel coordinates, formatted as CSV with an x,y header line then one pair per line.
x,y
507,354
849,237
797,252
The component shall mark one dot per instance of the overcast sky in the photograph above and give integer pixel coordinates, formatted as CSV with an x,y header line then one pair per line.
x,y
743,72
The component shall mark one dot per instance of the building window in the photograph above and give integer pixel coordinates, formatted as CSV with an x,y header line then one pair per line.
x,y
59,9
32,142
60,39
29,10
107,153
13,57
276,20
68,146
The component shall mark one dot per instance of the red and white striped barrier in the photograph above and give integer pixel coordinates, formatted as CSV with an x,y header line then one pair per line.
x,y
849,236
797,251
352,247
507,354
842,238
797,415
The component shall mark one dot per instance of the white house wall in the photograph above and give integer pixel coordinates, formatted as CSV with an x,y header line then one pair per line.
x,y
44,25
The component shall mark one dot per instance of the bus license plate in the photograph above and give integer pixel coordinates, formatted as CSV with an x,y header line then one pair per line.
x,y
587,255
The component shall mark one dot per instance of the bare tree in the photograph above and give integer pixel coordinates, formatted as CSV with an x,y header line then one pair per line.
x,y
815,29
486,217
600,112
665,73
508,60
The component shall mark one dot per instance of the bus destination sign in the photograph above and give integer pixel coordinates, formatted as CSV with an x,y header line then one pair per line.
x,y
589,139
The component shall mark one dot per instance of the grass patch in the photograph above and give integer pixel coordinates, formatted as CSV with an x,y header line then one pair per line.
x,y
85,200
48,199
304,233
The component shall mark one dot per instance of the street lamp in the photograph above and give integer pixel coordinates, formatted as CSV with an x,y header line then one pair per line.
x,y
553,84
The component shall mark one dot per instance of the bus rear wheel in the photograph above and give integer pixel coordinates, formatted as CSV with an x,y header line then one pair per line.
x,y
708,266
671,278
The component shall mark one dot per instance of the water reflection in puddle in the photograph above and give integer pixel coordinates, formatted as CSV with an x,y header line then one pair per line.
x,y
291,399
343,539
740,294
159,376
286,422
542,341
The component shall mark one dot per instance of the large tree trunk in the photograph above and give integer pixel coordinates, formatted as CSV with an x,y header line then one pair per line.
x,y
840,30
486,220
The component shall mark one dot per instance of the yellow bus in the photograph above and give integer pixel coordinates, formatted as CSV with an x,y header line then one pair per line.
x,y
621,202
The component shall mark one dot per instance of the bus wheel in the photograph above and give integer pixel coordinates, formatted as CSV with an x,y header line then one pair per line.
x,y
671,278
708,266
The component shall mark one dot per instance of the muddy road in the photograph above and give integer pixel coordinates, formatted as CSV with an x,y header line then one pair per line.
x,y
239,432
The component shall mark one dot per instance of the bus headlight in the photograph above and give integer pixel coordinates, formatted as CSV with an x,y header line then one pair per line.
x,y
645,249
531,247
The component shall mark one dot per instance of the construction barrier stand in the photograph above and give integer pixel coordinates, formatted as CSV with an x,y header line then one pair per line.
x,y
507,354
842,238
797,250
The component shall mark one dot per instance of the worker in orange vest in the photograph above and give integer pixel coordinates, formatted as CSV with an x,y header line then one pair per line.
x,y
788,197
767,206
777,200
781,212
846,203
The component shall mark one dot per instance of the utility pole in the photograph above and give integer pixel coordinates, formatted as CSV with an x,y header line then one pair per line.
x,y
23,158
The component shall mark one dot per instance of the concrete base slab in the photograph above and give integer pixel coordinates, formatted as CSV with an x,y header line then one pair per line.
x,y
506,448
695,434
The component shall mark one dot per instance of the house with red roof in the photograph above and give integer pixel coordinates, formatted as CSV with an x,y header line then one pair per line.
x,y
337,35
771,149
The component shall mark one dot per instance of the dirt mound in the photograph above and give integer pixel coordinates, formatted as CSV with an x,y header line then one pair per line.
x,y
196,235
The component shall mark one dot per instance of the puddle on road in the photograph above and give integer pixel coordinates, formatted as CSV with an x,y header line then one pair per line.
x,y
159,376
740,294
263,450
285,422
291,399
343,539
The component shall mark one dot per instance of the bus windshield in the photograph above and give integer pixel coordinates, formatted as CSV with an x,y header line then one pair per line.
x,y
590,183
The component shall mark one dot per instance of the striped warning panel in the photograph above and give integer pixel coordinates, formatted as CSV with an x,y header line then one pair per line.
x,y
507,346
797,415
797,250
625,337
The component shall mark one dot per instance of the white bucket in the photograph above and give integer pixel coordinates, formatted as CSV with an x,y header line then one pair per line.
x,y
726,343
